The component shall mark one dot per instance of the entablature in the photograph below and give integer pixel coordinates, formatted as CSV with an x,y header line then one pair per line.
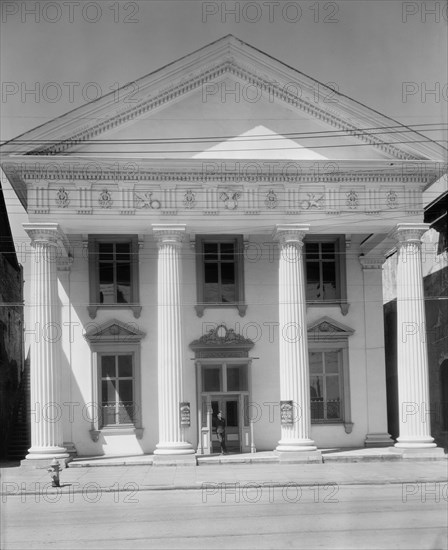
x,y
367,192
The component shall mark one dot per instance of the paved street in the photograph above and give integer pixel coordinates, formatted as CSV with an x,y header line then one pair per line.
x,y
332,505
381,516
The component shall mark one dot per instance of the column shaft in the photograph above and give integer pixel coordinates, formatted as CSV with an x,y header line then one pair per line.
x,y
45,375
412,355
171,434
294,370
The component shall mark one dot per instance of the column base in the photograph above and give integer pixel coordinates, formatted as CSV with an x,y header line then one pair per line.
x,y
52,451
415,443
416,453
378,440
309,457
44,463
175,460
296,446
174,449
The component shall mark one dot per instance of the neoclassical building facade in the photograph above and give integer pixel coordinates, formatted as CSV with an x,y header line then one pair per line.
x,y
217,244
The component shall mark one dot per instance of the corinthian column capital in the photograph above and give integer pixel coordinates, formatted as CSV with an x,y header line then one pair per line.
x,y
49,233
409,232
291,233
172,234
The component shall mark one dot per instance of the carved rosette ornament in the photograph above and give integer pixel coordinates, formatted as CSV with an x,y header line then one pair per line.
x,y
62,198
105,199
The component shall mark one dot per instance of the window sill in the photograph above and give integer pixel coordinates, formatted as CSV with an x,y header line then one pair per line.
x,y
116,430
330,303
93,308
201,307
348,426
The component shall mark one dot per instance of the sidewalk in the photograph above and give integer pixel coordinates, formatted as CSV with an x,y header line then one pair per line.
x,y
137,474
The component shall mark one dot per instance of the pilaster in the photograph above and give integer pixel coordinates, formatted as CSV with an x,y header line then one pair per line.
x,y
376,398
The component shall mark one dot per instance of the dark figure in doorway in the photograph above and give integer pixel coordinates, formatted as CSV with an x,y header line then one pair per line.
x,y
221,432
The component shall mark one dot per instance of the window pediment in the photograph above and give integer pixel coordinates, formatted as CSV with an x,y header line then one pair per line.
x,y
222,342
326,328
114,331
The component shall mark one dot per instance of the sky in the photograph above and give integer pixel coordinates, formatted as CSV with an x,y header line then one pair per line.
x,y
390,55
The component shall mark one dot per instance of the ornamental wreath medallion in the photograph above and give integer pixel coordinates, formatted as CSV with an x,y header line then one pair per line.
x,y
62,199
392,199
189,199
230,200
105,199
271,199
352,199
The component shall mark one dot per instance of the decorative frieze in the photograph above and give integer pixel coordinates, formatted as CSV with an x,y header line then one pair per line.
x,y
167,199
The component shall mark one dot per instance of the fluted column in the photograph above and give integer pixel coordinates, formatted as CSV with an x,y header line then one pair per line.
x,y
412,355
294,370
45,373
171,434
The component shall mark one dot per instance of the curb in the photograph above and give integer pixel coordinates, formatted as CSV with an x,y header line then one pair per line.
x,y
196,487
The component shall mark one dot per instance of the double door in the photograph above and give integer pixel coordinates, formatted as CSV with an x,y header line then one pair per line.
x,y
237,433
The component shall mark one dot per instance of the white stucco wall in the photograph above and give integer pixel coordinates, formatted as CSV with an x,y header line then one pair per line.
x,y
259,324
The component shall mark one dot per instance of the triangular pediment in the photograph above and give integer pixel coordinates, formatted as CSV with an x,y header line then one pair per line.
x,y
114,331
258,143
196,85
326,328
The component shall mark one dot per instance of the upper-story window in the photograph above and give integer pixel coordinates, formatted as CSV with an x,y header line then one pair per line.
x,y
219,267
114,267
113,273
325,271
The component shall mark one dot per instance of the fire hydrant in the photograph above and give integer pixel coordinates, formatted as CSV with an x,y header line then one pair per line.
x,y
54,470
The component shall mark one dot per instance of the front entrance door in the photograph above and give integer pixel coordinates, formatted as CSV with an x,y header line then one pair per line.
x,y
229,405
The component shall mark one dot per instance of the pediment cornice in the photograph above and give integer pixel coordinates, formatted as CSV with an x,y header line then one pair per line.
x,y
114,331
326,328
227,57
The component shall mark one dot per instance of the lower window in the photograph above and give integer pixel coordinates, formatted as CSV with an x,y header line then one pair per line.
x,y
326,386
117,389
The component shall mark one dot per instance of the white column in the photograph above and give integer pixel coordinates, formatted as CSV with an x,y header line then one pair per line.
x,y
45,375
170,349
412,355
294,373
